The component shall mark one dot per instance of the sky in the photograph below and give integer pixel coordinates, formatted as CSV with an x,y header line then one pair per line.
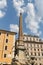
x,y
32,14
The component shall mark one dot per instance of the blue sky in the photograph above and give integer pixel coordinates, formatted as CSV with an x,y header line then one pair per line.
x,y
32,13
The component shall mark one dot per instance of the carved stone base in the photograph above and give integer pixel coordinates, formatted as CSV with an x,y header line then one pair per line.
x,y
16,62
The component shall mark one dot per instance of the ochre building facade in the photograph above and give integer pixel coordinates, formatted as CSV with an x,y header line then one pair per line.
x,y
7,43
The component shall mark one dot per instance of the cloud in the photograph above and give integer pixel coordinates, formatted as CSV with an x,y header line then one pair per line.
x,y
18,5
32,22
3,5
24,33
29,0
39,6
14,28
2,14
34,17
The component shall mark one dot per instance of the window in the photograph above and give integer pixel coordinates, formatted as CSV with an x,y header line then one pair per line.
x,y
30,38
25,38
31,48
0,33
40,63
38,49
4,55
6,40
7,34
36,64
41,46
32,58
38,54
31,53
35,58
35,54
34,45
39,58
25,45
28,54
41,49
34,49
37,45
37,39
33,39
42,54
5,47
31,45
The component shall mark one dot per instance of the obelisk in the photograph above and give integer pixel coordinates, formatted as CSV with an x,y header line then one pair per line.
x,y
21,47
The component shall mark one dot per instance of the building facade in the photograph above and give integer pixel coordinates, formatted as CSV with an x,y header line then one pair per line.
x,y
34,48
7,43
